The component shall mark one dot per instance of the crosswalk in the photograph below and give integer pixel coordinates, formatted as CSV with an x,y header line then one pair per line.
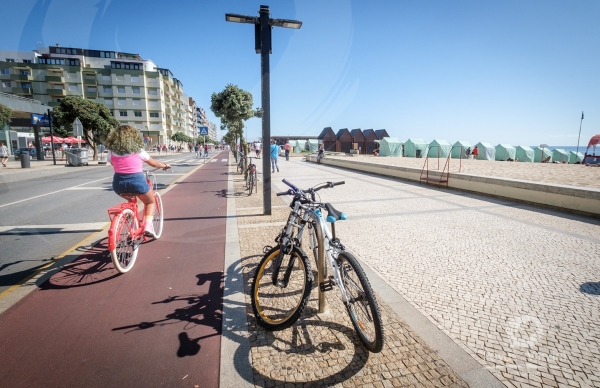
x,y
189,160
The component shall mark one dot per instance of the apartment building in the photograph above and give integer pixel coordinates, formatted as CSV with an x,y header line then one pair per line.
x,y
136,90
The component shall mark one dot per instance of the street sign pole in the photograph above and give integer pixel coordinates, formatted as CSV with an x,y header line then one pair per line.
x,y
51,137
203,132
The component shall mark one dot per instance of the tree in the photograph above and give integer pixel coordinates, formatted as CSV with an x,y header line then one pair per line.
x,y
181,137
5,113
96,119
233,106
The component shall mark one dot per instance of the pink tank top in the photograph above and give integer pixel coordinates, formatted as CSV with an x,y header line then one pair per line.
x,y
128,163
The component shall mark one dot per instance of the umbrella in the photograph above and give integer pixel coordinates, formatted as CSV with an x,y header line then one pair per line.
x,y
48,139
72,140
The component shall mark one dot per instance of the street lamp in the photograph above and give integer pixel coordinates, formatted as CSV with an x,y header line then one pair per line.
x,y
262,39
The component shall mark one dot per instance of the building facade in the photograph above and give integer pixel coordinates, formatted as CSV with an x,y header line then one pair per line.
x,y
136,90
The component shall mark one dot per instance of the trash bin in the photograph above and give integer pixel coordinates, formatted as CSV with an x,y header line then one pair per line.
x,y
25,159
77,156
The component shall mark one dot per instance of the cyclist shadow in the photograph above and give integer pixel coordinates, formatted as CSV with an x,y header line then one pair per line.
x,y
200,310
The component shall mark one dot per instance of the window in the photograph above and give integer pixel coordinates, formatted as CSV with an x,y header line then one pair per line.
x,y
27,61
121,89
58,100
57,86
123,113
152,103
120,78
92,89
4,71
6,84
154,114
23,72
106,78
59,61
107,89
135,90
73,88
137,113
25,85
135,78
137,102
153,92
108,101
9,60
126,65
122,102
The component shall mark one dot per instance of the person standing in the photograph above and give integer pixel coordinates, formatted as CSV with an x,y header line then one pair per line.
x,y
3,154
287,147
274,153
475,152
257,147
63,149
205,150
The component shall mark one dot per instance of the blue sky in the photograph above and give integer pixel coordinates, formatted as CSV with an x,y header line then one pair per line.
x,y
511,71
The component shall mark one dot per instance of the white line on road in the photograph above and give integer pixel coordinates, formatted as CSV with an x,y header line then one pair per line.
x,y
213,160
90,188
35,229
223,160
54,192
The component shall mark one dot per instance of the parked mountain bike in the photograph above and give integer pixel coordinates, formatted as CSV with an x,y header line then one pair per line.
x,y
251,178
126,232
283,279
240,164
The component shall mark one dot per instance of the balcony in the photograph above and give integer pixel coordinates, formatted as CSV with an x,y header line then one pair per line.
x,y
22,90
56,92
90,81
53,103
88,94
19,77
55,78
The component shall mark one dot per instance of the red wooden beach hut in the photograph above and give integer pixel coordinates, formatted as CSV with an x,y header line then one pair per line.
x,y
358,140
370,145
328,138
344,141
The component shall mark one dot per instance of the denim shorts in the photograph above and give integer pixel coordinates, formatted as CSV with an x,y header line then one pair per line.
x,y
130,183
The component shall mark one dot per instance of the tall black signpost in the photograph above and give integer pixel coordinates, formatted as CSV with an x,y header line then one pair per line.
x,y
51,136
262,40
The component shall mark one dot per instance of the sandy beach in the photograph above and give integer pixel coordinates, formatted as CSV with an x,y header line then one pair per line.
x,y
562,174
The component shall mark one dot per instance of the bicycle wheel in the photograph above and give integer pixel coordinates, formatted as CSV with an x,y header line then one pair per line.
x,y
278,307
240,167
254,181
125,252
157,220
362,307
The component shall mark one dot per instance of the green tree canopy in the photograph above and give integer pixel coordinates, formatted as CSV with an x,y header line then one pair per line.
x,y
96,119
5,113
182,137
233,106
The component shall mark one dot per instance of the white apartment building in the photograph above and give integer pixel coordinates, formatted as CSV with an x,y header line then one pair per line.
x,y
136,90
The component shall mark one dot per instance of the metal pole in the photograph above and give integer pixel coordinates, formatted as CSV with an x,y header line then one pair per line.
x,y
265,47
51,137
579,132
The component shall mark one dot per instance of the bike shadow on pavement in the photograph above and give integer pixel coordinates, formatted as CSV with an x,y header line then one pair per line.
x,y
91,267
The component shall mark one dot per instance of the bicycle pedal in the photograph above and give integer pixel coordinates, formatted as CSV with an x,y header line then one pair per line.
x,y
327,285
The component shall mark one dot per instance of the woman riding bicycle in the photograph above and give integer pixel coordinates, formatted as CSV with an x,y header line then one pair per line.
x,y
127,156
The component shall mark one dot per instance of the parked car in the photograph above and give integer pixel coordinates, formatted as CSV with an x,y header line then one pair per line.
x,y
32,153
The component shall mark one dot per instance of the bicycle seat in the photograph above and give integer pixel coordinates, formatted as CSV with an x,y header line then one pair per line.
x,y
128,195
334,215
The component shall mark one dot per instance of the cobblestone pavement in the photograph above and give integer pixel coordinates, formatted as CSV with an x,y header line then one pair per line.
x,y
517,287
323,349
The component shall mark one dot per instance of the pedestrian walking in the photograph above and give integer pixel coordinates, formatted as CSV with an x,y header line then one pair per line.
x,y
205,150
274,153
287,148
3,154
475,152
197,149
63,151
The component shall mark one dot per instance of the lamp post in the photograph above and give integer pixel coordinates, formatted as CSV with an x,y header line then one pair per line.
x,y
262,46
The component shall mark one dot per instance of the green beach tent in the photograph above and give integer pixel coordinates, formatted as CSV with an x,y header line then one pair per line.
x,y
439,147
575,157
524,154
486,151
314,145
390,146
414,146
540,154
456,149
505,152
296,146
559,155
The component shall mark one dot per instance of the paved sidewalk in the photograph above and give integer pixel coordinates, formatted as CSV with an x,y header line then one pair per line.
x,y
514,286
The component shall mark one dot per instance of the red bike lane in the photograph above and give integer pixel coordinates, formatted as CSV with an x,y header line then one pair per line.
x,y
158,325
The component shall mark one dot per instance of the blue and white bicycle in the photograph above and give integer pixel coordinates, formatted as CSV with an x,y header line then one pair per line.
x,y
283,279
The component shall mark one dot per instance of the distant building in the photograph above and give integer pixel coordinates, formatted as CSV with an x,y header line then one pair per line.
x,y
136,90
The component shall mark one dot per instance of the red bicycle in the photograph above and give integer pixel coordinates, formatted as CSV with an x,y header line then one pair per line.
x,y
126,232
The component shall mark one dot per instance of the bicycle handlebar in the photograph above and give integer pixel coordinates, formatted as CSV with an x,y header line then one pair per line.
x,y
294,190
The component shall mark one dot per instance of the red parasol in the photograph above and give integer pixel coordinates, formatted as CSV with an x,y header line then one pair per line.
x,y
48,139
72,140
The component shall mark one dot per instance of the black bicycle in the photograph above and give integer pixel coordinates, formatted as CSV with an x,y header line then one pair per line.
x,y
251,178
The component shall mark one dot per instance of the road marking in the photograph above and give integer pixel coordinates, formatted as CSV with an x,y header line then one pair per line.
x,y
90,188
58,228
261,225
213,160
54,192
223,160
